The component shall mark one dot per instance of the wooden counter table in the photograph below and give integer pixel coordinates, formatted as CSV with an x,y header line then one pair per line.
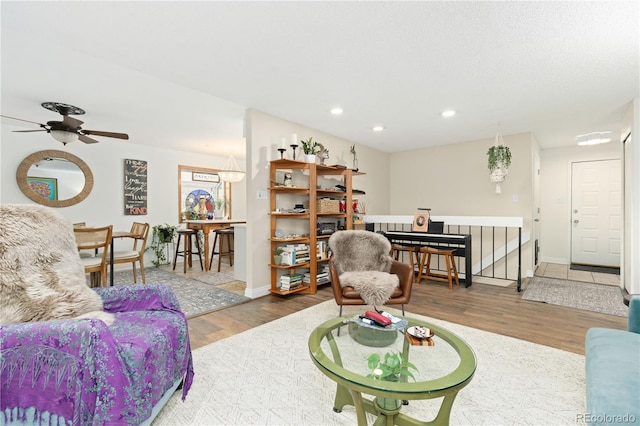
x,y
206,226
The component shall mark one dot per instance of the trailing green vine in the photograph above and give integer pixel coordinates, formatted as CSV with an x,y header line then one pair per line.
x,y
162,235
498,154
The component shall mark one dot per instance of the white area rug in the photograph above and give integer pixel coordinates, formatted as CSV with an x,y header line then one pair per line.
x,y
265,376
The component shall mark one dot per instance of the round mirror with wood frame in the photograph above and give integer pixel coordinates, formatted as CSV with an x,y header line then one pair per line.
x,y
22,175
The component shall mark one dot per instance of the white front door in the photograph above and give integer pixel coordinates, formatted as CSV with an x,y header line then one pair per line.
x,y
596,209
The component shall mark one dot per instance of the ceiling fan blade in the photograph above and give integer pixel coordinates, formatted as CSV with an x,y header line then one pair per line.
x,y
20,119
106,134
27,131
86,139
71,122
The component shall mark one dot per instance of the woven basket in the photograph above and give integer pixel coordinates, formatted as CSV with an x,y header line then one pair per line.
x,y
328,206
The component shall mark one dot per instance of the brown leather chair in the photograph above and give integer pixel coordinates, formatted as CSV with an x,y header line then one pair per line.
x,y
356,245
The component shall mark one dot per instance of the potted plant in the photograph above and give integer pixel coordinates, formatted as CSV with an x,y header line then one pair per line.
x,y
394,367
277,255
218,212
498,162
161,236
310,149
190,215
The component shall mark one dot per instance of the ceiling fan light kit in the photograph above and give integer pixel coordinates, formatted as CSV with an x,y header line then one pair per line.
x,y
68,130
64,136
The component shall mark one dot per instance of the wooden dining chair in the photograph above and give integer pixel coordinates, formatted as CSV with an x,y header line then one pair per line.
x,y
96,239
139,233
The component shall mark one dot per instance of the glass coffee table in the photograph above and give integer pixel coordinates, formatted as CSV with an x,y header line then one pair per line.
x,y
445,363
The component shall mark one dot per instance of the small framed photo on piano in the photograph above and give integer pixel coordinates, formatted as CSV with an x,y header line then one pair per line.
x,y
420,222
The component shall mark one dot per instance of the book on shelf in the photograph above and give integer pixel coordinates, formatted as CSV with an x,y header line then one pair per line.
x,y
293,254
290,286
290,278
321,277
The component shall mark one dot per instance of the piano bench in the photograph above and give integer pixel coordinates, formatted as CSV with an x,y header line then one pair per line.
x,y
425,266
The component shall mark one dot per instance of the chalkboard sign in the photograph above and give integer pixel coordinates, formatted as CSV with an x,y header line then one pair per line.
x,y
135,187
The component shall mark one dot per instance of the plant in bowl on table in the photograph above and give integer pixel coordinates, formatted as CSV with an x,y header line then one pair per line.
x,y
190,215
390,368
394,367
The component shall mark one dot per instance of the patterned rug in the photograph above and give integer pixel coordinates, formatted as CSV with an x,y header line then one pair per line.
x,y
265,376
580,295
195,297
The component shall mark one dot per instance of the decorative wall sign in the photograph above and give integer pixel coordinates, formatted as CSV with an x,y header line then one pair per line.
x,y
205,177
135,187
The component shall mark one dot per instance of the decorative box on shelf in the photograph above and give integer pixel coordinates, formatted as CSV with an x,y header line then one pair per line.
x,y
328,206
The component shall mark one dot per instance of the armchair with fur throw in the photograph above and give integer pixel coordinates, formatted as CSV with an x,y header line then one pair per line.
x,y
363,272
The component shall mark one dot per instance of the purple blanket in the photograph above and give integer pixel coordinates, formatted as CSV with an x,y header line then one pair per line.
x,y
82,372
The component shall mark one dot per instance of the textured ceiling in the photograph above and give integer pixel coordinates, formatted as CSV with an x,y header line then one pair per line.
x,y
181,74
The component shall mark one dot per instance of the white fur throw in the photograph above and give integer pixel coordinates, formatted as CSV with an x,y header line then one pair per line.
x,y
362,261
41,275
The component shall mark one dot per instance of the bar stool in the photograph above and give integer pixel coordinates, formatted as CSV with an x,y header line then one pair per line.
x,y
226,236
396,249
452,271
213,247
187,252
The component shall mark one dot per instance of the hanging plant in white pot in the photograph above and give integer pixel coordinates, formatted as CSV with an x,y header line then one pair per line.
x,y
498,161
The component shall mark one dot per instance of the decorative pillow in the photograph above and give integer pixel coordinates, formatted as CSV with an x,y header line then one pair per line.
x,y
41,275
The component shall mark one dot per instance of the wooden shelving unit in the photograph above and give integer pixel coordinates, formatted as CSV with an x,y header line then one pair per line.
x,y
308,177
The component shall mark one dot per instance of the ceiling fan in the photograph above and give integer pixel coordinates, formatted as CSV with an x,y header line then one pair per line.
x,y
68,130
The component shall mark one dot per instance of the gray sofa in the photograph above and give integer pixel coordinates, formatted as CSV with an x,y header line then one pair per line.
x,y
612,360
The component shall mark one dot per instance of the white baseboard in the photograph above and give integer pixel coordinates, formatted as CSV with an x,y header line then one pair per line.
x,y
257,292
559,260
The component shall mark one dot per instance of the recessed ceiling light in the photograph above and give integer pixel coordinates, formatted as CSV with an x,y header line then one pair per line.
x,y
448,113
336,111
378,128
594,138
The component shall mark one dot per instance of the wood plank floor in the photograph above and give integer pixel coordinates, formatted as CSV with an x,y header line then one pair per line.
x,y
487,307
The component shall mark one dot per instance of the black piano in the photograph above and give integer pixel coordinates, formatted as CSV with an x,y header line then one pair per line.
x,y
461,243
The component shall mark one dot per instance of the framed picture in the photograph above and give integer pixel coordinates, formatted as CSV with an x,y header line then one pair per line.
x,y
45,187
420,222
205,177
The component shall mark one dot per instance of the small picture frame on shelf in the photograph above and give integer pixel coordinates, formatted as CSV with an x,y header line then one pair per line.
x,y
420,222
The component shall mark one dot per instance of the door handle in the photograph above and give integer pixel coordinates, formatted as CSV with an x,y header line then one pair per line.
x,y
576,221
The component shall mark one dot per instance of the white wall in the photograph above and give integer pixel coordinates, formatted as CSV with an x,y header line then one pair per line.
x,y
106,159
453,180
263,138
555,202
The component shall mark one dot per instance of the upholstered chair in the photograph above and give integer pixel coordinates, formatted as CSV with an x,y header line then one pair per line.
x,y
363,272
